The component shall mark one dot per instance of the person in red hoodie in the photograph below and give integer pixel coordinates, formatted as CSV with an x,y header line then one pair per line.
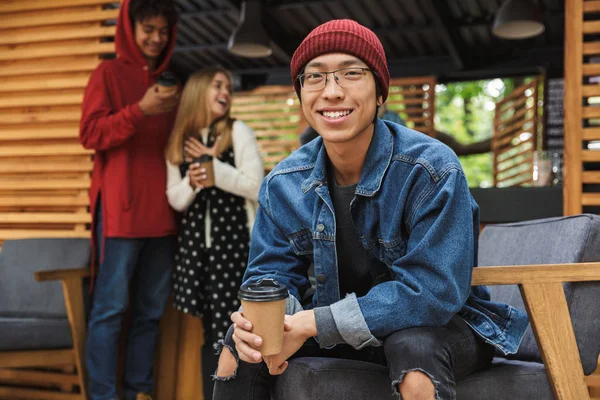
x,y
127,121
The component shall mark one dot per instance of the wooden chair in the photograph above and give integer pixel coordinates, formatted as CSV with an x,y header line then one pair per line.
x,y
43,326
532,260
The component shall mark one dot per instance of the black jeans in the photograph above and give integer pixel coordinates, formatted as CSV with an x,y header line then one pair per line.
x,y
446,354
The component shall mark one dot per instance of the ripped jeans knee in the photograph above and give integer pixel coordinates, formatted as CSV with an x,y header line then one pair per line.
x,y
416,385
445,354
228,358
236,379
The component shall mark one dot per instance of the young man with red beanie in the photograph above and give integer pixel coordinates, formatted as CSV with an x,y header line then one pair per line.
x,y
385,215
127,121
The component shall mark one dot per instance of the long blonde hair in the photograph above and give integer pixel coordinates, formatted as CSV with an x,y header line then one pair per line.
x,y
194,114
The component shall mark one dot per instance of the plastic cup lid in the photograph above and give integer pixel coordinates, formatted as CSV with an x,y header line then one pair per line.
x,y
263,290
167,79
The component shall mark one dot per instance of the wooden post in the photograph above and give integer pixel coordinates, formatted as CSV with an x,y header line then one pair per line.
x,y
189,379
572,189
165,371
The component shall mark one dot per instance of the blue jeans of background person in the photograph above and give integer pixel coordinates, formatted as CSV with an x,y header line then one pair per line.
x,y
447,354
132,269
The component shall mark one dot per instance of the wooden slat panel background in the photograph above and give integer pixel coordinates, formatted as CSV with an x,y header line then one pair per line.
x,y
582,123
273,112
48,49
515,136
414,100
582,105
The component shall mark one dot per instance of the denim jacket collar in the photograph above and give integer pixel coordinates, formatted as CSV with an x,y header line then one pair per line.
x,y
377,161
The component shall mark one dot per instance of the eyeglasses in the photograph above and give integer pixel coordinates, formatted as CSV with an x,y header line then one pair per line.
x,y
314,81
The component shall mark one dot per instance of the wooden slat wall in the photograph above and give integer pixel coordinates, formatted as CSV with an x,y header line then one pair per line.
x,y
47,50
273,112
414,100
582,108
515,136
581,119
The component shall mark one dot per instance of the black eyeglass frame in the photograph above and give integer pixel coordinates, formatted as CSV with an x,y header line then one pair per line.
x,y
336,79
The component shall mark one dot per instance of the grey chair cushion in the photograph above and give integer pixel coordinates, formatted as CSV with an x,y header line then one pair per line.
x,y
20,295
329,378
34,334
32,314
551,240
507,379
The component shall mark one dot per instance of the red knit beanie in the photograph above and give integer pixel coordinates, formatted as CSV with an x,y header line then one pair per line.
x,y
343,36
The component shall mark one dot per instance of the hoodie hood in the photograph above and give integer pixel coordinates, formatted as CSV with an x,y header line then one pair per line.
x,y
128,50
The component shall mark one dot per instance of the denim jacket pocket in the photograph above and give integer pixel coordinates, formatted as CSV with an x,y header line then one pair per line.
x,y
390,251
301,242
496,312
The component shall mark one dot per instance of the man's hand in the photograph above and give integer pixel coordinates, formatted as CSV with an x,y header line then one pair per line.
x,y
243,337
154,103
246,341
302,327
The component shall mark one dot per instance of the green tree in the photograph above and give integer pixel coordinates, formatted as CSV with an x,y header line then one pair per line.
x,y
465,110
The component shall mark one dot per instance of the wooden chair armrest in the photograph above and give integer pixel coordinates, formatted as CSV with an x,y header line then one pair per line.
x,y
542,290
537,273
62,274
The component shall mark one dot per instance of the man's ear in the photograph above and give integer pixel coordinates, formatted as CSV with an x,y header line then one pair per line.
x,y
379,101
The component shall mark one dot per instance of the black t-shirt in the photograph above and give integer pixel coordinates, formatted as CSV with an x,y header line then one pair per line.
x,y
354,262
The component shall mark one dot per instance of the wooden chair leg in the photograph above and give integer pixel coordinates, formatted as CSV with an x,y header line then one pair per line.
x,y
550,318
73,293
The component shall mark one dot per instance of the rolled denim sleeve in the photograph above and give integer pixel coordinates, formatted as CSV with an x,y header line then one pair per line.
x,y
432,280
351,323
328,333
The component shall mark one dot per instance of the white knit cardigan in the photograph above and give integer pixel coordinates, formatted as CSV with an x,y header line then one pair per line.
x,y
243,179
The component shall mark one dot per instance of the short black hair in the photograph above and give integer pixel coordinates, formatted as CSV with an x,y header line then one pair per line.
x,y
377,94
377,88
140,10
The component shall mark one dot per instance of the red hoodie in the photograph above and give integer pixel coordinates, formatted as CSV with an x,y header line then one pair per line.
x,y
129,175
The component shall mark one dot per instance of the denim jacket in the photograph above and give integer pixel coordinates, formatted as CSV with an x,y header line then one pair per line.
x,y
412,210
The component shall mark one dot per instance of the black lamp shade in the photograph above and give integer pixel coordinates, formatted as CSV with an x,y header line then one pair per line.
x,y
518,19
250,39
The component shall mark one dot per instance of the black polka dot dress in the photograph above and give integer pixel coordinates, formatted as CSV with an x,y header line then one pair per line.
x,y
206,278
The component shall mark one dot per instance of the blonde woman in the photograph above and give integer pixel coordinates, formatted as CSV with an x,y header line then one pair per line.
x,y
216,219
